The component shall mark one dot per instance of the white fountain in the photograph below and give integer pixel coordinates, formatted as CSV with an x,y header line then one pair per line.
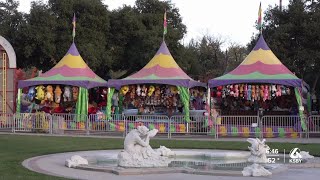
x,y
138,153
258,156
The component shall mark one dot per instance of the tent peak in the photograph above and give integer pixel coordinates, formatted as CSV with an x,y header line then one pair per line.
x,y
163,49
73,50
261,44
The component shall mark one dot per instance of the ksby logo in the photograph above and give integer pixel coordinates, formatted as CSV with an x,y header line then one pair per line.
x,y
295,156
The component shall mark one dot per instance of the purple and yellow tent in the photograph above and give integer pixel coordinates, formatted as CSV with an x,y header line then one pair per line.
x,y
162,69
70,70
262,66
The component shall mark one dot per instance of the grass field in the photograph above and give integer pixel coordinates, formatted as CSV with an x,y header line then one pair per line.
x,y
14,149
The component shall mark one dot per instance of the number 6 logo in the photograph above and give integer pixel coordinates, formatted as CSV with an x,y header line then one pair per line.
x,y
295,153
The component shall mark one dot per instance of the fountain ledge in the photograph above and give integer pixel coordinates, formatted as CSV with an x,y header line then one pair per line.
x,y
143,171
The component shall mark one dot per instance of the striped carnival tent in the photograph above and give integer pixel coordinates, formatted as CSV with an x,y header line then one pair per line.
x,y
70,70
262,66
162,69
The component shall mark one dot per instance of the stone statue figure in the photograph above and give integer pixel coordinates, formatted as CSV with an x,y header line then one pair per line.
x,y
258,157
258,150
138,153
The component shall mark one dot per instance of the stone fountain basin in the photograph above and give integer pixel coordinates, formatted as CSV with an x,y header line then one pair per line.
x,y
185,158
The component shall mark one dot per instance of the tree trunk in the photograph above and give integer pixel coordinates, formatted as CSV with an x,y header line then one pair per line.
x,y
315,83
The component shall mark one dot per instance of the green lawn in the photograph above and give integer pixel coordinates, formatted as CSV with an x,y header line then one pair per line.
x,y
14,149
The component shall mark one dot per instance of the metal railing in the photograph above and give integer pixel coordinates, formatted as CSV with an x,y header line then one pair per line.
x,y
281,126
100,123
32,122
6,122
118,124
159,122
313,126
238,126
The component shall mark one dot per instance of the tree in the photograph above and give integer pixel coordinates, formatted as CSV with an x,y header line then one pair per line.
x,y
235,54
137,33
11,22
47,33
10,19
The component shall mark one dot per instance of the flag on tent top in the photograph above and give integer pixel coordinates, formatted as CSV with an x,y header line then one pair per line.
x,y
74,26
259,26
165,23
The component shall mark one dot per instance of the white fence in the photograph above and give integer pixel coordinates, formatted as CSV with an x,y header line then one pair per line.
x,y
314,126
117,124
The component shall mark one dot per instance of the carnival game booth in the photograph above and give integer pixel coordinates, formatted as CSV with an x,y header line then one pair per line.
x,y
62,91
157,93
261,97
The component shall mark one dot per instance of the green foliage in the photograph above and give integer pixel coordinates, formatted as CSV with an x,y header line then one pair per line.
x,y
204,58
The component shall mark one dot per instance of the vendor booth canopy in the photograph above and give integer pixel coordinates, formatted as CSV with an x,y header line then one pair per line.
x,y
71,70
260,66
162,69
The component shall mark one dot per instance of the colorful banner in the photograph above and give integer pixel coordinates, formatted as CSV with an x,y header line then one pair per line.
x,y
301,108
18,108
185,99
82,104
109,102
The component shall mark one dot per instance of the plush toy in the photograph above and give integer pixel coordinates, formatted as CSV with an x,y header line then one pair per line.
x,y
115,100
57,94
104,94
67,94
49,93
157,93
174,101
224,92
132,91
31,93
75,93
231,90
261,91
228,90
273,91
283,90
245,91
124,90
266,93
253,92
173,89
138,91
201,92
219,88
257,93
40,92
236,90
144,90
168,92
249,93
151,90
278,93
241,90
288,92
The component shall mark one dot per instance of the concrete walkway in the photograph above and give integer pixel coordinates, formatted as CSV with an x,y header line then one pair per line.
x,y
184,137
